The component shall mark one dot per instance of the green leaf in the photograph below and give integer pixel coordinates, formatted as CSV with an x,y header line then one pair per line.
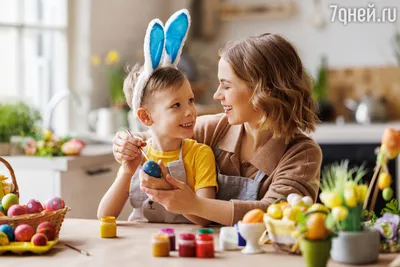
x,y
391,207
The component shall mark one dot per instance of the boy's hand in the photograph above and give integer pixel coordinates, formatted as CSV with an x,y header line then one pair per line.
x,y
126,151
155,183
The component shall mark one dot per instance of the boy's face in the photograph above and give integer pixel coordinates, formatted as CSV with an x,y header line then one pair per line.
x,y
173,112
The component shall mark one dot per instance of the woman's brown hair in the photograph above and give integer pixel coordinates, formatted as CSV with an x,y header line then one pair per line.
x,y
165,78
272,69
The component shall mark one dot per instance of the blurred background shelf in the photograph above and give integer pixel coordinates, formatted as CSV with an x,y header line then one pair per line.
x,y
268,10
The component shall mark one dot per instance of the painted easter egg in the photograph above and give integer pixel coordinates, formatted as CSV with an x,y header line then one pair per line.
x,y
3,239
151,168
24,233
53,204
8,230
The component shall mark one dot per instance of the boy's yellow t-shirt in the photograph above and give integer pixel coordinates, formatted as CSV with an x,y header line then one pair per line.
x,y
198,159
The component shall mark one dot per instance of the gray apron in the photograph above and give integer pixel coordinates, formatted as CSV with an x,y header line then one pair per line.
x,y
237,187
155,212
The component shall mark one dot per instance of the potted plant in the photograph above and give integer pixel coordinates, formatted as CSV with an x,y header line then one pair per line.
x,y
115,73
320,93
16,119
342,193
314,236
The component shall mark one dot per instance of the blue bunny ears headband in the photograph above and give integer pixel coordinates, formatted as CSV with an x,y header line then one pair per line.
x,y
162,47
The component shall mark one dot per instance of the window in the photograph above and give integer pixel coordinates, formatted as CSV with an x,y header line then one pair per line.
x,y
33,50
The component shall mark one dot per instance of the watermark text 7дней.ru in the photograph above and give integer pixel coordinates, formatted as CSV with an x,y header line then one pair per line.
x,y
348,15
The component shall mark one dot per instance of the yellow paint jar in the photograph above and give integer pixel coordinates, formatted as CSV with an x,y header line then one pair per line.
x,y
108,227
160,245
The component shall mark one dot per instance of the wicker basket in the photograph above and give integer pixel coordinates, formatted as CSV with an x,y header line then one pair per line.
x,y
280,235
56,217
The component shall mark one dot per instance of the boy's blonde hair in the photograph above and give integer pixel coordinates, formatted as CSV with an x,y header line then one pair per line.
x,y
165,78
272,69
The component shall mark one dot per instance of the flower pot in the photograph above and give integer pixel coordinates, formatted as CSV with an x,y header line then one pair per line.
x,y
315,253
5,149
356,247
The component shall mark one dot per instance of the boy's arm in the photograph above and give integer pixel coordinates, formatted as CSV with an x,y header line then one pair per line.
x,y
207,192
115,198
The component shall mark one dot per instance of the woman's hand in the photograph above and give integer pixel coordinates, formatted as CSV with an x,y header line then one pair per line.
x,y
155,183
180,200
126,151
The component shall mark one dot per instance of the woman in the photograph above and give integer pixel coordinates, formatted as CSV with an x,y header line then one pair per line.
x,y
260,150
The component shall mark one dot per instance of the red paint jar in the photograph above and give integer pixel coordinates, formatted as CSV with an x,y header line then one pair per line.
x,y
171,235
205,246
187,245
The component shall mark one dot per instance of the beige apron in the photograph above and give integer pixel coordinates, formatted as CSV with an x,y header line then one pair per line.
x,y
237,187
155,213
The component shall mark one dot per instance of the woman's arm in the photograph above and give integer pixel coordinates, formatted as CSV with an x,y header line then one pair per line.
x,y
183,200
298,172
208,192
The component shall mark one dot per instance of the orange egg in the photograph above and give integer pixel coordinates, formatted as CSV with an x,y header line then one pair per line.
x,y
253,216
391,140
316,229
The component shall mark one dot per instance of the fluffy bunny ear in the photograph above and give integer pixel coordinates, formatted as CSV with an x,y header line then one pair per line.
x,y
176,31
154,46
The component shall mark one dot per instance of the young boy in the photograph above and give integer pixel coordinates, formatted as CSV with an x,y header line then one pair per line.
x,y
168,109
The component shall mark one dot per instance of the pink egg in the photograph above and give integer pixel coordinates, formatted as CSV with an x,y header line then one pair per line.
x,y
53,204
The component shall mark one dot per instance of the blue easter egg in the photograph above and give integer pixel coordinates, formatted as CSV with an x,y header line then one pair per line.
x,y
151,168
7,229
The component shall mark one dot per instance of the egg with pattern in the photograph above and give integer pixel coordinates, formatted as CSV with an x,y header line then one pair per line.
x,y
3,239
151,168
54,204
8,230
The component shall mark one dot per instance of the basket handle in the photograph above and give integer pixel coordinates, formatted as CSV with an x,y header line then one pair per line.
x,y
11,170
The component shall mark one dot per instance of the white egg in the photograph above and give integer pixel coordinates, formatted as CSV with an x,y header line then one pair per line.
x,y
291,196
296,201
307,200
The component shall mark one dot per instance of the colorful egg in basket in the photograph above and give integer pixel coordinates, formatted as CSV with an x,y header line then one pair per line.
x,y
55,213
54,204
280,232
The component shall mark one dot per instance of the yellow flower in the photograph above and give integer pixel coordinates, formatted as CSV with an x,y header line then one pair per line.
x,y
332,199
112,57
361,193
350,197
96,61
339,213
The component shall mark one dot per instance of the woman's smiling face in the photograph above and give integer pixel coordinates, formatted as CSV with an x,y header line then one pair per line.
x,y
235,96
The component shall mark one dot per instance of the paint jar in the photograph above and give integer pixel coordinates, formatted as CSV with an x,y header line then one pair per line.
x,y
160,245
187,245
205,231
108,227
171,235
228,238
205,246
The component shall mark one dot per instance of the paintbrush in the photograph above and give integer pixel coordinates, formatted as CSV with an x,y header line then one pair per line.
x,y
79,250
141,149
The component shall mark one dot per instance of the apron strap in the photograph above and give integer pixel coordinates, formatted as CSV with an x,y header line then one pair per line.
x,y
259,176
181,153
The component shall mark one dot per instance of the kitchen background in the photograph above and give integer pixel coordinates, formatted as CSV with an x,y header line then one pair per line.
x,y
63,58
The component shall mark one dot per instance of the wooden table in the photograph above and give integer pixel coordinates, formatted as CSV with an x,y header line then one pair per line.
x,y
133,248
